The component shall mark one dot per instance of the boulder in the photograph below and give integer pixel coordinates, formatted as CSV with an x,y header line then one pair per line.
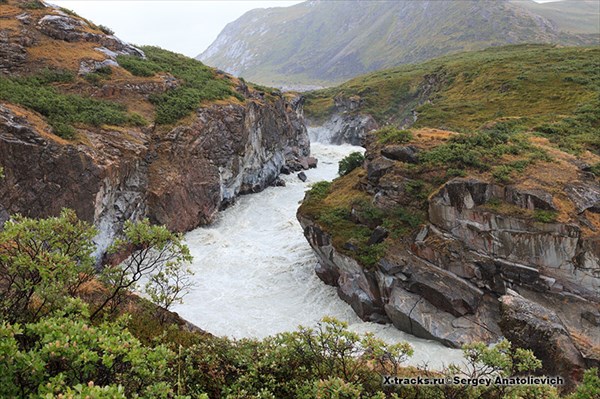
x,y
530,198
377,168
278,182
530,325
378,235
585,196
401,153
302,176
312,162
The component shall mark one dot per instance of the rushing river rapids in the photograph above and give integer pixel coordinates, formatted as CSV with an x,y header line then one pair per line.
x,y
254,270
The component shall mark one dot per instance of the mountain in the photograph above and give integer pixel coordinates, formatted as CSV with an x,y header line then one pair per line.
x,y
320,42
574,16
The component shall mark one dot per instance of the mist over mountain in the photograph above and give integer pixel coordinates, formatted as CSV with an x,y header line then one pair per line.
x,y
324,42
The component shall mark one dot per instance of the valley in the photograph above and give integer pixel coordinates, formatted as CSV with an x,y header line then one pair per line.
x,y
422,199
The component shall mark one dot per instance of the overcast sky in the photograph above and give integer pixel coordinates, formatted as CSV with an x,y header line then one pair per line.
x,y
187,27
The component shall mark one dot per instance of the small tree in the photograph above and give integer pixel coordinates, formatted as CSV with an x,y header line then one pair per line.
x,y
42,262
350,162
169,285
157,254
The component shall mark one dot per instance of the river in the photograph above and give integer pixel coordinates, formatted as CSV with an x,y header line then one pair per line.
x,y
254,270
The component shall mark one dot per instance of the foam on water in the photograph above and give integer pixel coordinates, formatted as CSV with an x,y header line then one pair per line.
x,y
254,270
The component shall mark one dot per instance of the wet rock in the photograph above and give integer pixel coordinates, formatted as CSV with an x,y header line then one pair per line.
x,y
304,163
91,66
25,18
377,168
592,317
302,176
378,235
401,153
350,247
529,325
412,313
344,128
12,55
285,169
312,162
62,27
585,196
530,199
278,182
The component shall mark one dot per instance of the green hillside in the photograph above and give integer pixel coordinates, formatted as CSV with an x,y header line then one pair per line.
x,y
554,90
325,42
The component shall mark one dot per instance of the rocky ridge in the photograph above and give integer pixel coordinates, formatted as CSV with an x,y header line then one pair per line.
x,y
478,259
178,175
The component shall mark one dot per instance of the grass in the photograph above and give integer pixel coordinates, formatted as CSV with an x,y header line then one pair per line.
x,y
487,149
349,216
63,111
198,82
552,89
391,135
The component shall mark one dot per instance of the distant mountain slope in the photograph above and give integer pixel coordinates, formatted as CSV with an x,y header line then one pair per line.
x,y
549,89
574,16
320,42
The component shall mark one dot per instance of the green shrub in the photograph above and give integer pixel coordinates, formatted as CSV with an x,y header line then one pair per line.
x,y
589,387
392,135
138,66
197,82
453,172
544,216
63,110
350,162
32,5
502,173
106,30
334,216
595,169
319,190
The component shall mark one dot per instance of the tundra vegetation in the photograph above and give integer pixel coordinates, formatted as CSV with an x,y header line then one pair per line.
x,y
69,330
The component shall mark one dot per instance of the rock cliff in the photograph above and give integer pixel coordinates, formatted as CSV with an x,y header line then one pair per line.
x,y
177,174
440,273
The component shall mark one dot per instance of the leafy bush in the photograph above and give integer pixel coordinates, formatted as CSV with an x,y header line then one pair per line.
x,y
64,350
41,263
158,255
63,110
106,30
350,162
544,216
32,5
319,190
198,82
392,135
578,132
589,387
482,149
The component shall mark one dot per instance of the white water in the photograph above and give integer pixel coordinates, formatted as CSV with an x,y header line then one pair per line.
x,y
254,270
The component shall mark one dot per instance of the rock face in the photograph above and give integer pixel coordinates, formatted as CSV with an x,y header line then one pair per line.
x,y
180,179
63,27
345,126
527,324
480,243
